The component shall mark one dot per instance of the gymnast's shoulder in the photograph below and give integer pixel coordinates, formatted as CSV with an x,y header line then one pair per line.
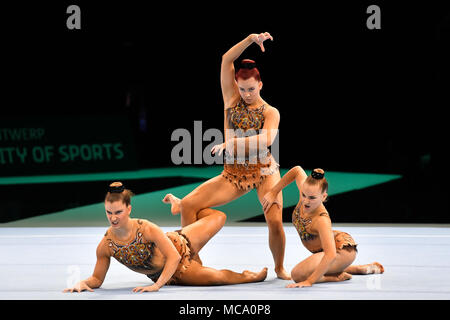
x,y
269,109
148,228
145,223
271,113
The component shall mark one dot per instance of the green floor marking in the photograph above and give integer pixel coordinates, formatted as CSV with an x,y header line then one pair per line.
x,y
149,205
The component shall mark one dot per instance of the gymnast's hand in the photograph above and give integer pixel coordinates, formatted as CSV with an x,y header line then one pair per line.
x,y
260,38
218,148
152,288
302,284
223,147
268,200
79,287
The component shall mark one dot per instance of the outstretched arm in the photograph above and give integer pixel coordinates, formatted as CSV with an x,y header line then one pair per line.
x,y
323,226
326,235
296,173
154,234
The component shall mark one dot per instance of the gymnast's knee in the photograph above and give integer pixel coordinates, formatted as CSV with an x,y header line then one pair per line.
x,y
221,217
297,275
274,222
187,205
218,216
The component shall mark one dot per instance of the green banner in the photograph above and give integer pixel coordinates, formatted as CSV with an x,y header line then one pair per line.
x,y
74,144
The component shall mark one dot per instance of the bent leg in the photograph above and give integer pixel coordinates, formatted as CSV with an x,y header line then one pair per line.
x,y
336,271
198,275
306,267
215,192
209,222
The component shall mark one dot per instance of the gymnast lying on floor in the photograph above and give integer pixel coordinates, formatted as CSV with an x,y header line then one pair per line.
x,y
166,258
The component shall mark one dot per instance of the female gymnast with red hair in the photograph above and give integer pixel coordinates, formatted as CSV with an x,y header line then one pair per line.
x,y
250,123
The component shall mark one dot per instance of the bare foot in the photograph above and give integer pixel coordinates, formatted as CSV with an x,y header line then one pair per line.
x,y
335,277
344,276
256,276
375,267
260,276
249,274
174,201
282,274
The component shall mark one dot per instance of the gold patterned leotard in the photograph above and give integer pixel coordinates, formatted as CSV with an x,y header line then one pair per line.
x,y
145,257
250,171
310,240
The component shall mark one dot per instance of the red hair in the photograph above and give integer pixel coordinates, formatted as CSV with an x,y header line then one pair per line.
x,y
246,72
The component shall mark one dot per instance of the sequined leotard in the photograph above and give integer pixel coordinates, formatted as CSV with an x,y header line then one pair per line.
x,y
145,257
310,240
247,172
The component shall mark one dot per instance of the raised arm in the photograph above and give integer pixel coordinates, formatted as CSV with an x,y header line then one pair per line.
x,y
230,91
154,234
100,270
296,173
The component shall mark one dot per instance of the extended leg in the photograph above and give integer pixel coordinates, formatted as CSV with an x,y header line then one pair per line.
x,y
274,220
197,275
277,241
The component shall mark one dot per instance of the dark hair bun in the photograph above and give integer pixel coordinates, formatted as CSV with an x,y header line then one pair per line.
x,y
318,174
116,187
248,64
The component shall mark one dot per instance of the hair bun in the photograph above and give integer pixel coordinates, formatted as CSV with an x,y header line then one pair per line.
x,y
248,64
116,187
318,174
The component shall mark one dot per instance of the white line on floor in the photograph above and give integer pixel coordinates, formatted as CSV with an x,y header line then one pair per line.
x,y
241,235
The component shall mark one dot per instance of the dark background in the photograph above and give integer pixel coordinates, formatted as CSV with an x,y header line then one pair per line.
x,y
350,98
